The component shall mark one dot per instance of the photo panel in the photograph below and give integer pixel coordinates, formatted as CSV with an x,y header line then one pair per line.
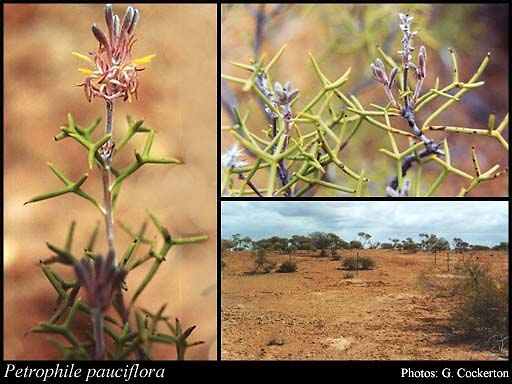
x,y
365,280
110,201
354,100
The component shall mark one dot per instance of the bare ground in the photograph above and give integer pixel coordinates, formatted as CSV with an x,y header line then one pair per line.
x,y
322,313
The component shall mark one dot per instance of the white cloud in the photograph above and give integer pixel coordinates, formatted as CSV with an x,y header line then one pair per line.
x,y
478,222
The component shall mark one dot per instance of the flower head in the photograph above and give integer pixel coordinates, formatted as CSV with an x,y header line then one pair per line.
x,y
229,159
100,280
114,74
378,72
285,95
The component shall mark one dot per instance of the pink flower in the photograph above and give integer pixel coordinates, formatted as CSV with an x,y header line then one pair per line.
x,y
114,74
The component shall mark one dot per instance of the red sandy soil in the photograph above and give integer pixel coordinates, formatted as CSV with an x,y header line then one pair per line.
x,y
321,313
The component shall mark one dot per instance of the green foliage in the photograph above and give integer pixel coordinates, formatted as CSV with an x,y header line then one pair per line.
x,y
503,246
128,341
310,152
302,242
274,243
478,247
482,311
460,245
355,244
101,280
410,246
307,144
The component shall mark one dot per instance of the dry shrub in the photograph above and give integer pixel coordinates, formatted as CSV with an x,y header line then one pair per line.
x,y
288,266
482,307
262,262
362,263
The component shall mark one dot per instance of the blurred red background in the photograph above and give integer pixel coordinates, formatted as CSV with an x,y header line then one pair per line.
x,y
177,97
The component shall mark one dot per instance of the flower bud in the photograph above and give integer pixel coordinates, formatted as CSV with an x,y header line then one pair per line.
x,y
422,62
127,20
378,73
100,36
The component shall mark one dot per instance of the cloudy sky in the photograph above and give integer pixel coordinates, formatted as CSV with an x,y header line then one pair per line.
x,y
477,222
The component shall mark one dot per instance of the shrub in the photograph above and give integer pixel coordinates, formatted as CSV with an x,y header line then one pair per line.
x,y
478,247
336,257
101,276
482,306
349,263
288,266
363,263
262,262
366,263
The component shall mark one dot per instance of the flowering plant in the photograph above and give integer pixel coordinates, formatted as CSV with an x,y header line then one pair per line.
x,y
307,147
102,280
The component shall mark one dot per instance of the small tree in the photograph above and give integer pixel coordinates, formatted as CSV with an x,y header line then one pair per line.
x,y
441,245
236,241
321,241
409,245
396,243
354,244
246,242
503,246
478,247
365,237
460,245
262,262
291,250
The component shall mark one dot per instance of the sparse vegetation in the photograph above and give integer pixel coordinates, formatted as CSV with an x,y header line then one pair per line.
x,y
425,281
348,275
352,263
262,262
482,309
366,263
288,266
429,311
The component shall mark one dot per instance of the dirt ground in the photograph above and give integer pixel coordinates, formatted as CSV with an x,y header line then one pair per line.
x,y
322,312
